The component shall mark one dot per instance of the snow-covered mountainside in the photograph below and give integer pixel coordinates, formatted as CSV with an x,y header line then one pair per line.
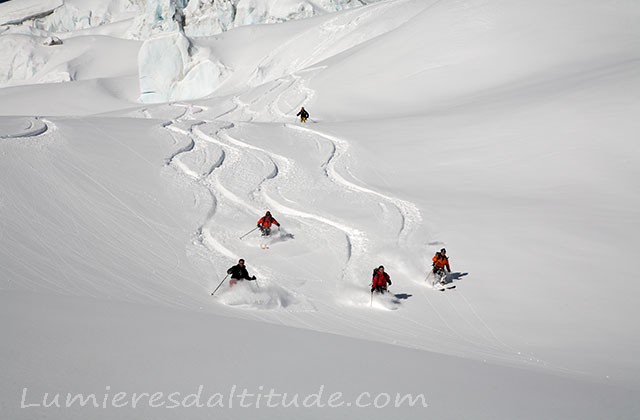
x,y
139,152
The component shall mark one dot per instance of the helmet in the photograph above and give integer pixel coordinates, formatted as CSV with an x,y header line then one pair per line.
x,y
443,251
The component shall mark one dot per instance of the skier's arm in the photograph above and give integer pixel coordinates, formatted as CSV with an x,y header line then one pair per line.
x,y
246,276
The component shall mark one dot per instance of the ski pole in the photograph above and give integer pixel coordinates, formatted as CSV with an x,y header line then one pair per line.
x,y
428,274
225,277
249,232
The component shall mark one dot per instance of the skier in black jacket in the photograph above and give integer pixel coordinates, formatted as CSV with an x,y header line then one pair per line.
x,y
303,114
238,273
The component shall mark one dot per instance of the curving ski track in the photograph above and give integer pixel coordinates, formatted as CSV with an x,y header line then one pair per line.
x,y
409,212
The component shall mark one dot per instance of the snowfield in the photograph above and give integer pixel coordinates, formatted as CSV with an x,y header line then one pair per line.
x,y
135,167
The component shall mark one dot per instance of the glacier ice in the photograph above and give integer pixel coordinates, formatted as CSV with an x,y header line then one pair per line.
x,y
170,69
149,17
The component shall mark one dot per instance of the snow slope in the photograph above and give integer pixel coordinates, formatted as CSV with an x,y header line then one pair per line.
x,y
455,124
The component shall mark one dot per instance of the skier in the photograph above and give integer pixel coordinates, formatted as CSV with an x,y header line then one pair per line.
x,y
265,223
380,280
303,114
441,263
239,273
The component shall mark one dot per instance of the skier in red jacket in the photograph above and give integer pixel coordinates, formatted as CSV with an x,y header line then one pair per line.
x,y
441,266
380,280
265,223
441,261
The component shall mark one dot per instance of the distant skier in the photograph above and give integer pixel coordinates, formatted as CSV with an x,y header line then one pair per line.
x,y
239,273
303,114
265,223
380,280
441,263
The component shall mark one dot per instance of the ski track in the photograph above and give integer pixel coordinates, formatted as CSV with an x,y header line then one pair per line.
x,y
179,161
410,215
34,127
